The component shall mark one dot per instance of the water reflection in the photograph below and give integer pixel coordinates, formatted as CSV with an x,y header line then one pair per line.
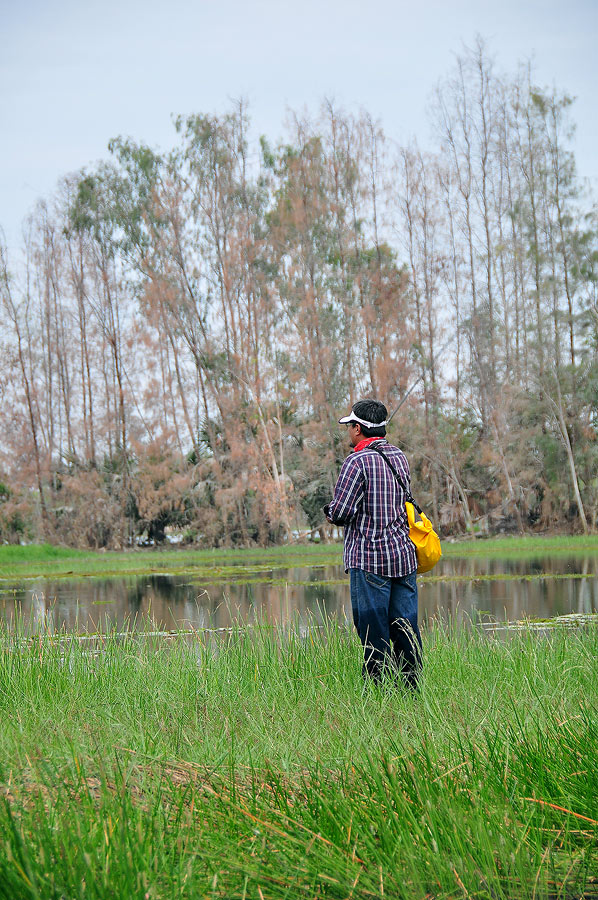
x,y
464,589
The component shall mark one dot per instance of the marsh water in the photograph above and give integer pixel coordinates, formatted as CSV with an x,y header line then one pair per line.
x,y
474,589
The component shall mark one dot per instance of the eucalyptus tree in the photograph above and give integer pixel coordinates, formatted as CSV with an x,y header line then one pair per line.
x,y
17,310
94,217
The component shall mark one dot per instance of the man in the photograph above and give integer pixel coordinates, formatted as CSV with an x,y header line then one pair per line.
x,y
370,502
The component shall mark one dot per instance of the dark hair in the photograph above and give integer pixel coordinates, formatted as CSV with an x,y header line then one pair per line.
x,y
371,411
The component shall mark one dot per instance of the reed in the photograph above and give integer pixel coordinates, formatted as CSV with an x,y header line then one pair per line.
x,y
259,765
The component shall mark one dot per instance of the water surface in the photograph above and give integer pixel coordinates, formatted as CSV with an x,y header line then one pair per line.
x,y
476,589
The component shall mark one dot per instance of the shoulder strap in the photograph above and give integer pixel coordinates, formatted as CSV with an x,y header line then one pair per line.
x,y
408,495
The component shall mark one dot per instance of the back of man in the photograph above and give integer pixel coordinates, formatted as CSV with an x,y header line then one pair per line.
x,y
369,500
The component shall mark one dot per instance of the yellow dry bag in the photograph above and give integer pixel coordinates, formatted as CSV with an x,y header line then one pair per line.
x,y
427,542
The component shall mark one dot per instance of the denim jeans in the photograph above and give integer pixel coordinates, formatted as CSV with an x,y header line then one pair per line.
x,y
385,616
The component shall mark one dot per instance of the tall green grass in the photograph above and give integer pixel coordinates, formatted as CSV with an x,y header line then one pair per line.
x,y
261,766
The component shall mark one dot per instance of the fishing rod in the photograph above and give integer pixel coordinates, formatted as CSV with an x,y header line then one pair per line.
x,y
415,383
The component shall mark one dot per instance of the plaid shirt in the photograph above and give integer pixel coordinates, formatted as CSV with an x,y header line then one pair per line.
x,y
370,503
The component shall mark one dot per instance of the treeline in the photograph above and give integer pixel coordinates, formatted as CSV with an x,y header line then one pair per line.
x,y
188,326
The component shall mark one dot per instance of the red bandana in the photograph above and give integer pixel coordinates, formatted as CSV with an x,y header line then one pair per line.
x,y
364,443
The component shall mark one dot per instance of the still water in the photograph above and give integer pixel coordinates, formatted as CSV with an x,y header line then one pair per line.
x,y
465,589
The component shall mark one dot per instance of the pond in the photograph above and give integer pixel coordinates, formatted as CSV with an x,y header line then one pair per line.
x,y
465,589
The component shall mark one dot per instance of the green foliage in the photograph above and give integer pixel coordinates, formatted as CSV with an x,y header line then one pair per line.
x,y
268,155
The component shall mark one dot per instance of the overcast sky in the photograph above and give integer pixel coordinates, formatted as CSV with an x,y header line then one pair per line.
x,y
75,73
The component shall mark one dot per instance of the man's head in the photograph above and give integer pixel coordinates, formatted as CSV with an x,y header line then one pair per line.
x,y
366,419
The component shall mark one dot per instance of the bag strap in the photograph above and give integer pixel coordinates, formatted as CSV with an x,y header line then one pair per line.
x,y
408,495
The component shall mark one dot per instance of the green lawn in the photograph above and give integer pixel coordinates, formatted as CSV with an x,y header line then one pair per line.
x,y
264,768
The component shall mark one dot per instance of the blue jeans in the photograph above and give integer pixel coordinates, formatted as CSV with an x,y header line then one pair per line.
x,y
385,616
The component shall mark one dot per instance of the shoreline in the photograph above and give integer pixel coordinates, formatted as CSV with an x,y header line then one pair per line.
x,y
61,562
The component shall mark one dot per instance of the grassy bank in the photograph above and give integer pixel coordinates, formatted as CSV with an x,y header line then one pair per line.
x,y
60,562
46,560
268,770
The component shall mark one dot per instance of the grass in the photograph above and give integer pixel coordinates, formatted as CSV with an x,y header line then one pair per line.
x,y
516,546
262,767
13,554
41,560
45,560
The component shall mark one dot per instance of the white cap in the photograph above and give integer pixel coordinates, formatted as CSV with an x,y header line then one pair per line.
x,y
353,418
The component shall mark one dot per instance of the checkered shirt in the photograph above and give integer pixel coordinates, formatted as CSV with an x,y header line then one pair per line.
x,y
370,503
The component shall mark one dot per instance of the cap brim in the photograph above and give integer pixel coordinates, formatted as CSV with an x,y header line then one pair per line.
x,y
345,420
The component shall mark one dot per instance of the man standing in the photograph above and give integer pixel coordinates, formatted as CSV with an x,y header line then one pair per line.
x,y
369,501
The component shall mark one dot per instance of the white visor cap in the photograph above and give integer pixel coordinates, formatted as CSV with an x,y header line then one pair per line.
x,y
353,418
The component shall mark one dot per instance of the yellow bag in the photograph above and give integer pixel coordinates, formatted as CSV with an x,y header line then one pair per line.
x,y
427,542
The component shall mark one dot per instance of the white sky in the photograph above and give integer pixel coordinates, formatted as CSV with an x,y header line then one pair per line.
x,y
75,73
